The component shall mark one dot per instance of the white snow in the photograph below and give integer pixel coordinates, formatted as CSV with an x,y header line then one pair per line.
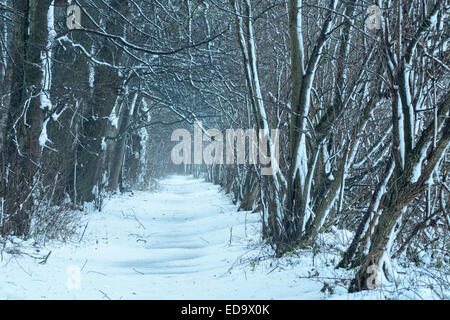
x,y
91,68
103,144
417,168
46,57
186,241
43,137
114,119
56,115
401,132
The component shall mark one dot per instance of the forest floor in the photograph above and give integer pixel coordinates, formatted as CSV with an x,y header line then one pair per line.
x,y
185,241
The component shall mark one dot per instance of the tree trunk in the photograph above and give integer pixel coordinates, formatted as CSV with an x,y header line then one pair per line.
x,y
24,125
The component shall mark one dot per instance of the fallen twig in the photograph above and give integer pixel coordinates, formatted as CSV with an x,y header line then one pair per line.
x,y
44,260
82,235
105,295
84,265
135,218
138,271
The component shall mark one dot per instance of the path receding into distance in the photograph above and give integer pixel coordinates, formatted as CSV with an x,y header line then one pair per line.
x,y
177,243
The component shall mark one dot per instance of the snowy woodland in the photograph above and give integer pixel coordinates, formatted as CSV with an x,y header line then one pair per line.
x,y
358,92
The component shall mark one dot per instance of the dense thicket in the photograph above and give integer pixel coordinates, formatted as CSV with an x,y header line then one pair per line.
x,y
362,112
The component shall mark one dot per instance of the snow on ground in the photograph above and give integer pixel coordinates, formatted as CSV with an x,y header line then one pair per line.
x,y
186,241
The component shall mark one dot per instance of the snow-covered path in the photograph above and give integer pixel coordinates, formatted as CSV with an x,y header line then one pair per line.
x,y
178,243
